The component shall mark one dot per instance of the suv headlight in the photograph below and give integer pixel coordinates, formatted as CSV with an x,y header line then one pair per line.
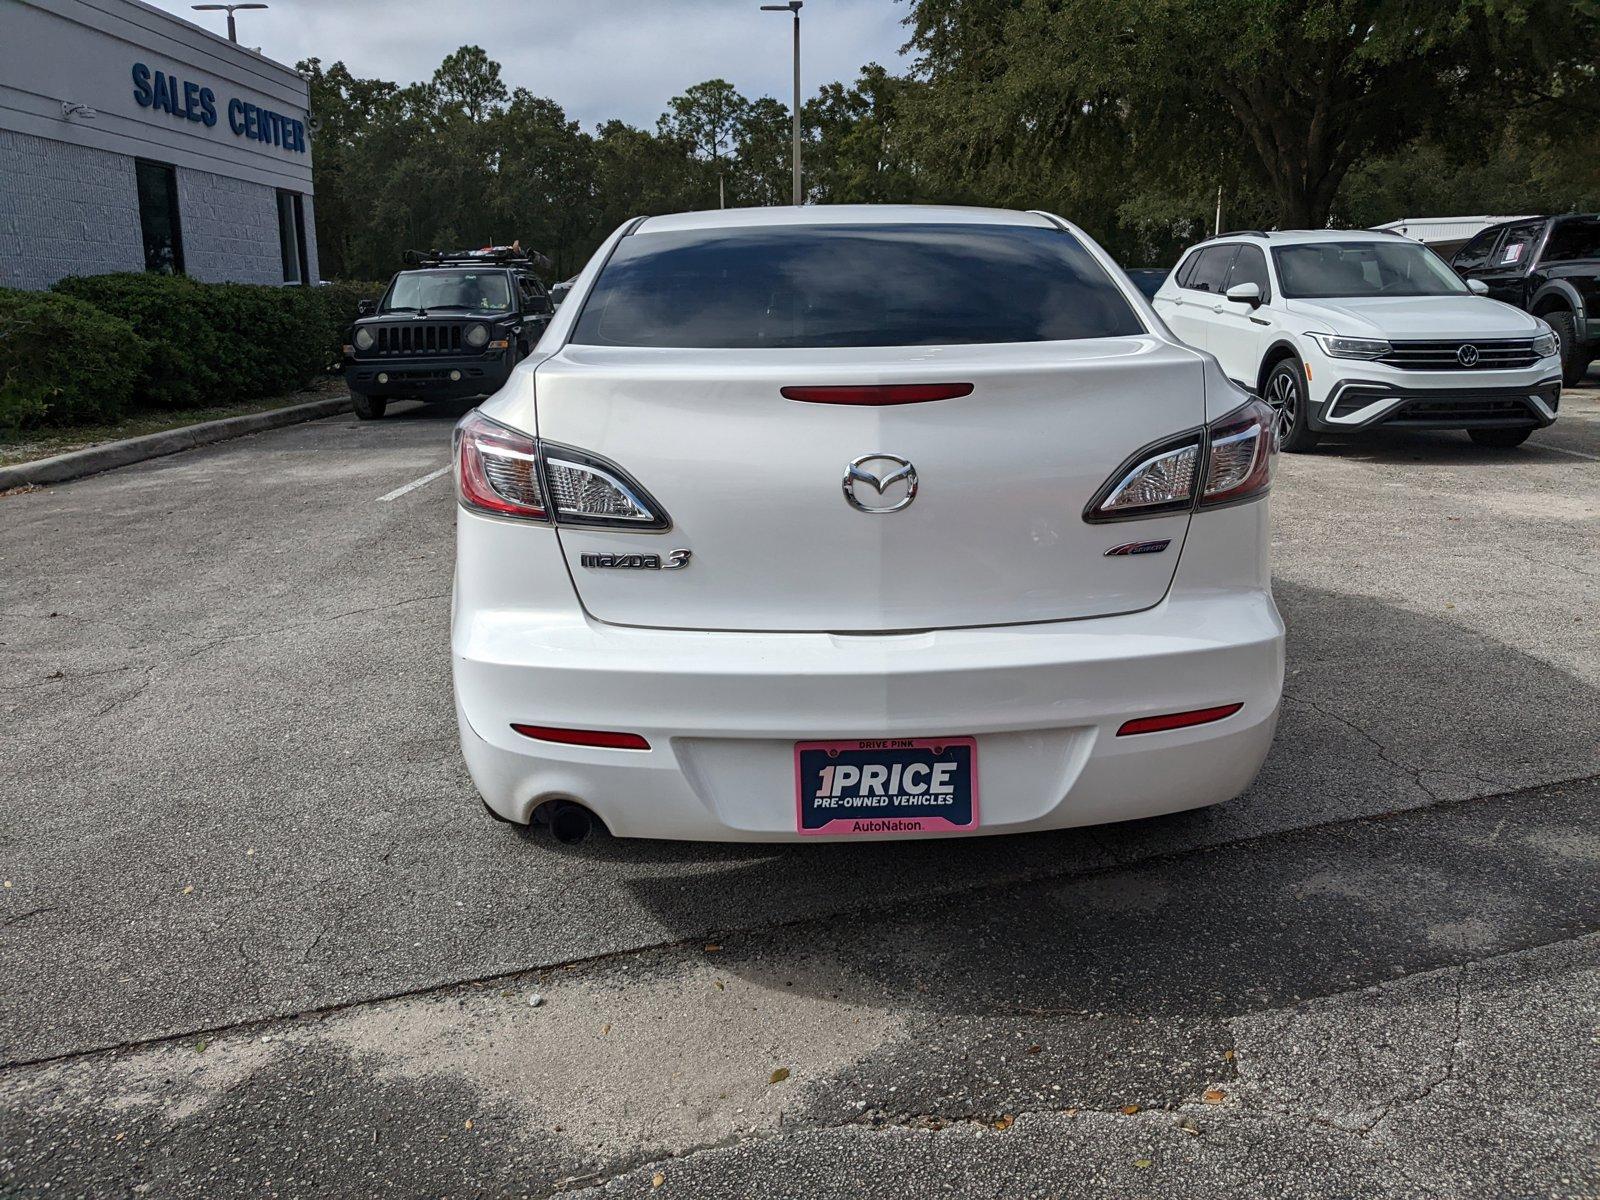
x,y
476,336
1546,344
1335,346
363,339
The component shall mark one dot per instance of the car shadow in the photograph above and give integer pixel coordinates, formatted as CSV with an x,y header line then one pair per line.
x,y
1398,826
430,410
1445,447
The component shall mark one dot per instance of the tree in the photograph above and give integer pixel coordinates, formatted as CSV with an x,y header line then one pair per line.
x,y
706,118
344,110
545,185
638,173
1295,93
764,144
858,151
468,82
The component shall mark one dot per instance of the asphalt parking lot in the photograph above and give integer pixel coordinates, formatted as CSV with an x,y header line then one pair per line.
x,y
257,937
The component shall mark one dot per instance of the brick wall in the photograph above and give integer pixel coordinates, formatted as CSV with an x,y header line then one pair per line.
x,y
73,210
230,229
65,210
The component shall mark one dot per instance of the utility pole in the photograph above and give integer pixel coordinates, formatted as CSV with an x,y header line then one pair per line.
x,y
793,6
1217,232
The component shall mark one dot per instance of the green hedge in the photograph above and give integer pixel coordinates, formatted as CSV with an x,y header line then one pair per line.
x,y
221,343
64,362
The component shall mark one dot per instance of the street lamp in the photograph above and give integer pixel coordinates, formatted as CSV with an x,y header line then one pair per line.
x,y
794,7
230,9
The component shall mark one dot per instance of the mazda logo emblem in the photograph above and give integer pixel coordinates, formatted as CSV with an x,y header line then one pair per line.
x,y
1467,356
880,483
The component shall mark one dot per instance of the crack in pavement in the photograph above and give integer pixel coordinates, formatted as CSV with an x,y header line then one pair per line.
x,y
1445,1075
1193,1118
1414,773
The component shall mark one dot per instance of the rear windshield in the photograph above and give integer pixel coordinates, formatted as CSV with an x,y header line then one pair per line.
x,y
852,285
1325,270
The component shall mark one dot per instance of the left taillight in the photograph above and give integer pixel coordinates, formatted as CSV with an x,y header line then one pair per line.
x,y
505,472
498,470
1228,461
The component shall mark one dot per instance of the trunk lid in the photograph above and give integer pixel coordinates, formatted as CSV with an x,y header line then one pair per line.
x,y
754,482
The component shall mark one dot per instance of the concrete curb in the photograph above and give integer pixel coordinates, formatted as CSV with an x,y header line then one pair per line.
x,y
95,459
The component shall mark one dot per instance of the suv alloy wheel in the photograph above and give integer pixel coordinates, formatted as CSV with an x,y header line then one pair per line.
x,y
1286,393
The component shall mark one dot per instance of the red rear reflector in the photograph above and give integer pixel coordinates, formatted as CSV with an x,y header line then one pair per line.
x,y
583,737
878,394
1182,720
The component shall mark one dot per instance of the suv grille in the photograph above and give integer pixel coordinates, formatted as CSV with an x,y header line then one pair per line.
x,y
1469,410
1445,356
419,337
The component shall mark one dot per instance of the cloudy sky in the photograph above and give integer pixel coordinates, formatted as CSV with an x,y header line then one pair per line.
x,y
597,58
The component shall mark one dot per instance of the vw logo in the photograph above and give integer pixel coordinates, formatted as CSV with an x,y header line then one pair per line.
x,y
1467,356
880,483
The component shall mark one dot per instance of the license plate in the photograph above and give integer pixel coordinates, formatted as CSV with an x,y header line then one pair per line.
x,y
887,785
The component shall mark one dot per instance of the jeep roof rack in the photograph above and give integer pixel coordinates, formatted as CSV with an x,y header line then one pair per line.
x,y
499,256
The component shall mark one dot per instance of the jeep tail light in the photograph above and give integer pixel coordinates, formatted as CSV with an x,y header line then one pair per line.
x,y
1228,461
497,470
509,474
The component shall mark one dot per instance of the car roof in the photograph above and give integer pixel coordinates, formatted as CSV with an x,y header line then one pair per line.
x,y
841,214
1297,237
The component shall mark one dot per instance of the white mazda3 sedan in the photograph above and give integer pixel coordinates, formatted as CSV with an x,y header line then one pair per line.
x,y
870,522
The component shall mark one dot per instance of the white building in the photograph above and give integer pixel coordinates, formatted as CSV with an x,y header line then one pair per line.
x,y
133,140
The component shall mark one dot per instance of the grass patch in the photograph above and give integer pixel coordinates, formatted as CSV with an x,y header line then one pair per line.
x,y
33,444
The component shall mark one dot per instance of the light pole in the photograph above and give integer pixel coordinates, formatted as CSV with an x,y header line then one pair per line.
x,y
794,7
230,9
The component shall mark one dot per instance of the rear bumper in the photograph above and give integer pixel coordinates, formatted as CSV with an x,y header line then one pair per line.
x,y
722,711
1354,404
430,377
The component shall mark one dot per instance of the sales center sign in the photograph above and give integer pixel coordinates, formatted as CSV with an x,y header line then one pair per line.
x,y
186,100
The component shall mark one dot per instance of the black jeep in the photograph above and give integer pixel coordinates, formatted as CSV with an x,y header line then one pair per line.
x,y
1550,267
449,326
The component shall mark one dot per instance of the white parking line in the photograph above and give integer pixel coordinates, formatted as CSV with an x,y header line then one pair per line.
x,y
415,484
1574,453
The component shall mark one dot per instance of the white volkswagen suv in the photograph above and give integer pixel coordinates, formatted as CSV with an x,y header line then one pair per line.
x,y
1342,331
861,521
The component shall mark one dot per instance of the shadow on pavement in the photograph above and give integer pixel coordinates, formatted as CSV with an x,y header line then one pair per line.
x,y
1419,713
1439,448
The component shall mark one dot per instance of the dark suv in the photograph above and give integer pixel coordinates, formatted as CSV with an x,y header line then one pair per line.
x,y
1550,267
451,326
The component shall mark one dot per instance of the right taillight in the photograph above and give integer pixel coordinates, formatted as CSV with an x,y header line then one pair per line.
x,y
1228,461
1243,448
509,474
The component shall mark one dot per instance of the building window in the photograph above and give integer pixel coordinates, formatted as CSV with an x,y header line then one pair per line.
x,y
292,236
158,217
